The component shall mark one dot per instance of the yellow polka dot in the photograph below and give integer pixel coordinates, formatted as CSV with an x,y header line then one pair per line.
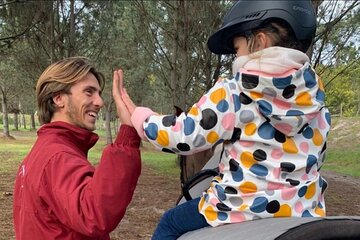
x,y
320,212
250,129
289,146
310,191
247,159
248,187
163,138
303,99
212,137
218,95
201,203
256,95
210,214
194,111
321,85
217,178
284,211
243,207
317,138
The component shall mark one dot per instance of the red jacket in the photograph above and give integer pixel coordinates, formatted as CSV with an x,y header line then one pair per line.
x,y
60,195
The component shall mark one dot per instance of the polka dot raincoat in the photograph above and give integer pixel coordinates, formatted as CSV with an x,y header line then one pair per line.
x,y
273,124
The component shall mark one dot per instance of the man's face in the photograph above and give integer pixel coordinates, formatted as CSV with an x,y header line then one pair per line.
x,y
83,103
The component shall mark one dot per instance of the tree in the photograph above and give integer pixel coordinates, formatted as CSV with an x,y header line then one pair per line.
x,y
336,37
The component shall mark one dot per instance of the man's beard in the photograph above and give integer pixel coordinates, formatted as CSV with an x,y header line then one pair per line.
x,y
75,117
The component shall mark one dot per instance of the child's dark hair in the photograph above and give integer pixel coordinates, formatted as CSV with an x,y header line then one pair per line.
x,y
280,34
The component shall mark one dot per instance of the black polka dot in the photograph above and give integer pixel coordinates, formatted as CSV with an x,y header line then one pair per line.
x,y
303,128
287,167
230,190
249,81
236,135
167,150
183,147
293,182
289,91
273,206
168,121
214,180
324,186
223,207
234,165
276,117
209,119
244,99
323,148
259,155
279,136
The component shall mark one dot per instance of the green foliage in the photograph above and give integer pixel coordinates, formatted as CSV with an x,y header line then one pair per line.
x,y
343,90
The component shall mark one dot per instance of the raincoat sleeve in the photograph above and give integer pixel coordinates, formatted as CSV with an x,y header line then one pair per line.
x,y
211,120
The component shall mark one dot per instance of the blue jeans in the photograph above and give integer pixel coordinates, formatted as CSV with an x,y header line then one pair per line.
x,y
179,220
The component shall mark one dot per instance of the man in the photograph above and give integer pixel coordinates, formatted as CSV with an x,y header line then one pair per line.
x,y
58,193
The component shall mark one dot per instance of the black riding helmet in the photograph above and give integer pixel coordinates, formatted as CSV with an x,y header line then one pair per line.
x,y
248,15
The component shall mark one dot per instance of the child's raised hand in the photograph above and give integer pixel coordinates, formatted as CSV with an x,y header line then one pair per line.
x,y
121,109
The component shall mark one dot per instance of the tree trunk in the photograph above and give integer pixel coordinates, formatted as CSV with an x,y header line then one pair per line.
x,y
16,121
108,124
52,33
32,121
72,29
6,130
24,121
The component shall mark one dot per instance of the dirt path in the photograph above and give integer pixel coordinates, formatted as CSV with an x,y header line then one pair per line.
x,y
156,193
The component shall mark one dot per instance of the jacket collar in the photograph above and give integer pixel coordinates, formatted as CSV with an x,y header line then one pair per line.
x,y
80,137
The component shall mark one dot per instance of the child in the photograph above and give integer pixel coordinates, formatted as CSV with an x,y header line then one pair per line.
x,y
270,117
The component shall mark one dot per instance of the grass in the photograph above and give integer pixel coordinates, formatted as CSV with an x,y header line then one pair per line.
x,y
164,163
345,162
12,152
343,155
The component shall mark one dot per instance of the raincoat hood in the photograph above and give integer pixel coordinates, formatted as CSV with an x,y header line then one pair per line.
x,y
284,86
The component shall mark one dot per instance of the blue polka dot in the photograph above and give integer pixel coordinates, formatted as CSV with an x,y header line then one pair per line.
x,y
221,193
321,182
266,131
320,96
294,113
265,107
306,214
259,170
311,160
328,118
259,205
308,133
302,191
151,131
282,83
320,205
206,197
222,106
189,126
237,76
309,77
222,216
237,103
237,175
